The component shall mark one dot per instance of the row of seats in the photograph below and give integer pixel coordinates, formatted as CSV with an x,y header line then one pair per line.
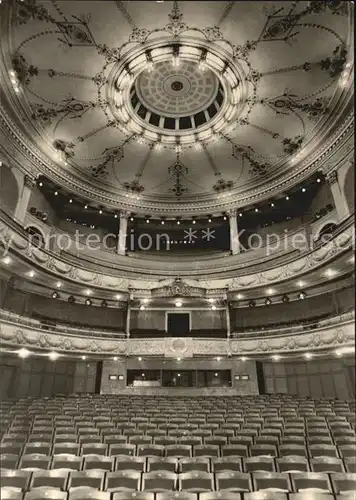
x,y
155,448
289,463
178,450
234,463
193,481
87,493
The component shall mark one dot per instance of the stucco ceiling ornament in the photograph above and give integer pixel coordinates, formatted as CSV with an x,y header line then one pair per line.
x,y
246,89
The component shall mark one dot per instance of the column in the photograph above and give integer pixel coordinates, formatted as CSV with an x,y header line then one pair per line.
x,y
128,317
121,244
234,232
228,322
340,202
22,204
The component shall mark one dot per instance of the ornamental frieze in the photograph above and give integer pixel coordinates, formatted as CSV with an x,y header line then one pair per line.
x,y
324,338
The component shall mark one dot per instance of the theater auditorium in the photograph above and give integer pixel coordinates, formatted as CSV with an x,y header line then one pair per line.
x,y
177,267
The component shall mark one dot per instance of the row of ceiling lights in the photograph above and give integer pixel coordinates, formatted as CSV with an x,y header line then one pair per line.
x,y
179,303
301,295
53,356
178,220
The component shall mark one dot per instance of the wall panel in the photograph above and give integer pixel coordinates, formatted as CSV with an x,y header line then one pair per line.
x,y
39,377
323,378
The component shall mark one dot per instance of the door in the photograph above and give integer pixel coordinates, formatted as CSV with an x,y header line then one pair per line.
x,y
178,324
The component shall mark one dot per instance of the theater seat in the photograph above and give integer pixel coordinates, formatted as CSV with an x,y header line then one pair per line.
x,y
292,464
44,493
7,493
220,495
91,478
123,481
124,462
157,481
169,464
66,461
265,495
226,464
196,481
343,483
50,478
259,464
312,496
98,462
273,481
15,478
134,495
194,464
233,481
9,461
87,493
176,495
310,481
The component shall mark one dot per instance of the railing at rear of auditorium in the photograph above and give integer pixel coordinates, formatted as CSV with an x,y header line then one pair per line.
x,y
77,331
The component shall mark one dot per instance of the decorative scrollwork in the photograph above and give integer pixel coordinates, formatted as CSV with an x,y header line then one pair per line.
x,y
221,185
66,148
176,26
177,170
337,7
23,70
287,103
113,155
279,27
29,10
213,33
292,145
334,65
134,186
72,108
76,34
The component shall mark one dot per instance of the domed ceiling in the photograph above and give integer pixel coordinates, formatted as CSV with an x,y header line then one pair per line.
x,y
176,105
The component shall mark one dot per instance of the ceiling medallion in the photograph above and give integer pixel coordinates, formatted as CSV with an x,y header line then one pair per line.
x,y
177,85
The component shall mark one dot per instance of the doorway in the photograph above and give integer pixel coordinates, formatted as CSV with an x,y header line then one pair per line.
x,y
178,324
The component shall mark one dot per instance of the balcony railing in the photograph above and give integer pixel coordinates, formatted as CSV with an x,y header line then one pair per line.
x,y
60,329
287,329
111,264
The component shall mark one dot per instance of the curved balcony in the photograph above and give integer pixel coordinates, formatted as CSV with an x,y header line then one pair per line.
x,y
333,333
252,268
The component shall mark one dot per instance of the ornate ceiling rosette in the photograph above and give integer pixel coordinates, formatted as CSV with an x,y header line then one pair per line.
x,y
110,97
